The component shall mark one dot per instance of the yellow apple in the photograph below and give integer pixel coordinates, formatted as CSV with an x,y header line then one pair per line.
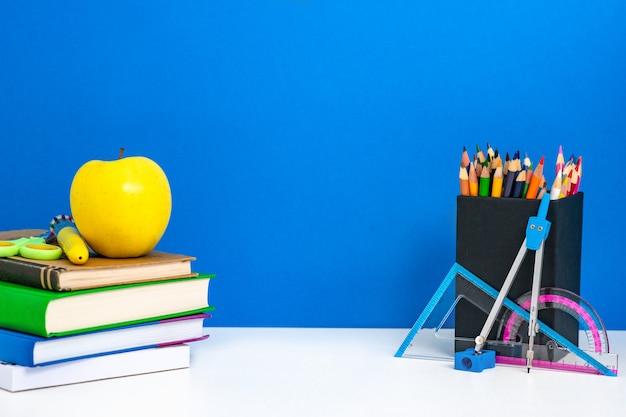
x,y
121,207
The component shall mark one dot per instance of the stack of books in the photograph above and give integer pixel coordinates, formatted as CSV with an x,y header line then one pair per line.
x,y
62,323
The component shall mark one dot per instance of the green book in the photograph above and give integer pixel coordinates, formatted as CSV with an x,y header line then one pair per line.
x,y
49,313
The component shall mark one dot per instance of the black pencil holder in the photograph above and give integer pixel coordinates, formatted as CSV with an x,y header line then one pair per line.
x,y
489,234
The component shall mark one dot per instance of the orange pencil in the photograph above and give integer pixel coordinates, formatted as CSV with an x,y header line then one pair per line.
x,y
473,181
496,186
535,181
542,188
464,180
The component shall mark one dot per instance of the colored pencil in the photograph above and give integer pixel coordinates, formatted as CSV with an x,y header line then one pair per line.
x,y
527,162
542,189
555,191
484,184
465,159
490,152
565,186
473,181
496,186
560,161
496,161
573,182
481,156
478,166
490,174
533,187
519,184
505,167
569,165
529,177
464,180
511,176
579,169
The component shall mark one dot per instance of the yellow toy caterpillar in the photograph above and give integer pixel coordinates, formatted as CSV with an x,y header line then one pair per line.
x,y
69,239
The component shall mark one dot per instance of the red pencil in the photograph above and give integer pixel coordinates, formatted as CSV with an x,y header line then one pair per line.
x,y
579,171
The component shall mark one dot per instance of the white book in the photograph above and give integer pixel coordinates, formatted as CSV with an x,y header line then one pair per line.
x,y
19,378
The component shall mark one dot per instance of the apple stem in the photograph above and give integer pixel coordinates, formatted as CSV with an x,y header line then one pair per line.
x,y
121,152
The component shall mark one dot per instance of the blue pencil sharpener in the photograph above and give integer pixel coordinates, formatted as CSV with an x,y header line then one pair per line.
x,y
470,360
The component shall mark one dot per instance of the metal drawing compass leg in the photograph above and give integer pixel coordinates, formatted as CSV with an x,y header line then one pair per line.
x,y
497,305
533,326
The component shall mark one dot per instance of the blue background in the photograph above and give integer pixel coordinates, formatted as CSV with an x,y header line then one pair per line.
x,y
313,146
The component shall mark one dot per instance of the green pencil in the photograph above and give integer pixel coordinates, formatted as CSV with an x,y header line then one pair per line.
x,y
484,184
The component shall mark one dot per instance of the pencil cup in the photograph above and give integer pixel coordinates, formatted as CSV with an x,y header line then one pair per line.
x,y
490,232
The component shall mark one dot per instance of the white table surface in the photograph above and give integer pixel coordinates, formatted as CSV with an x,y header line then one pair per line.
x,y
326,372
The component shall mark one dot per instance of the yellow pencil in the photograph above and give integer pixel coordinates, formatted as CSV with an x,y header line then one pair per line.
x,y
496,161
496,186
565,186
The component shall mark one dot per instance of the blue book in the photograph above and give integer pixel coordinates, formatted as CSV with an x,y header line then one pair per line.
x,y
30,350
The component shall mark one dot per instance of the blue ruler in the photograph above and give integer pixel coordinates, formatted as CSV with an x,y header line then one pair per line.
x,y
449,280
